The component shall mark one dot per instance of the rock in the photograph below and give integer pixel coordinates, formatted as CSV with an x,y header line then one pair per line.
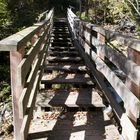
x,y
126,24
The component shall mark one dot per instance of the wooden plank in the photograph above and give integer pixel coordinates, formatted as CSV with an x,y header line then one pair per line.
x,y
131,69
26,92
25,64
15,59
129,132
83,97
63,67
110,35
134,55
19,40
63,53
27,118
63,59
62,48
108,94
131,103
133,87
24,128
67,79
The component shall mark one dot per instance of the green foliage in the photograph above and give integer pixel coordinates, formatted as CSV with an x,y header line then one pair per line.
x,y
25,16
4,84
105,12
5,92
4,15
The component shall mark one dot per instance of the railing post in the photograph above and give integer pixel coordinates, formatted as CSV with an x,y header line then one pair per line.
x,y
133,55
101,39
15,59
76,26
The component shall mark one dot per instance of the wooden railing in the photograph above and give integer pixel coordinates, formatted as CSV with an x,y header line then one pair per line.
x,y
27,55
96,43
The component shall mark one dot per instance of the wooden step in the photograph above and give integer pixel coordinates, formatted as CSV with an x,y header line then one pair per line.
x,y
58,48
58,32
74,125
64,78
63,59
78,97
55,39
60,29
63,53
61,35
66,68
60,43
61,25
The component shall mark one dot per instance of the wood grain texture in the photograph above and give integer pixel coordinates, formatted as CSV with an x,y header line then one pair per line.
x,y
25,65
130,101
24,99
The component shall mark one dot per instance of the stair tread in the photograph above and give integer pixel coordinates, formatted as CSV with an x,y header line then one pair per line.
x,y
66,67
53,42
63,52
64,78
62,48
79,97
58,58
60,35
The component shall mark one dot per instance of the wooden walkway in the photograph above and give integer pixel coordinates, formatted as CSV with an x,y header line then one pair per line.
x,y
75,107
67,71
76,125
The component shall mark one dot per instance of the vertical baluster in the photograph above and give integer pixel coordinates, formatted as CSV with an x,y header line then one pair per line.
x,y
15,59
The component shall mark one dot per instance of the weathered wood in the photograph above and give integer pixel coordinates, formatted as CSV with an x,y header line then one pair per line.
x,y
63,59
61,48
37,35
110,35
82,97
63,53
15,59
131,69
133,87
116,107
67,79
27,118
63,67
26,92
100,65
19,40
131,103
25,64
129,132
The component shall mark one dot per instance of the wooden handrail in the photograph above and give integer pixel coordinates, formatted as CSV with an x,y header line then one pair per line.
x,y
27,55
94,41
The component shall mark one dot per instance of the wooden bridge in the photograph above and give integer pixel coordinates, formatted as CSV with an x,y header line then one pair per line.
x,y
68,64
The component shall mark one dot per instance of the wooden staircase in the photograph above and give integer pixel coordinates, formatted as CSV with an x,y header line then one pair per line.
x,y
65,70
71,82
68,86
